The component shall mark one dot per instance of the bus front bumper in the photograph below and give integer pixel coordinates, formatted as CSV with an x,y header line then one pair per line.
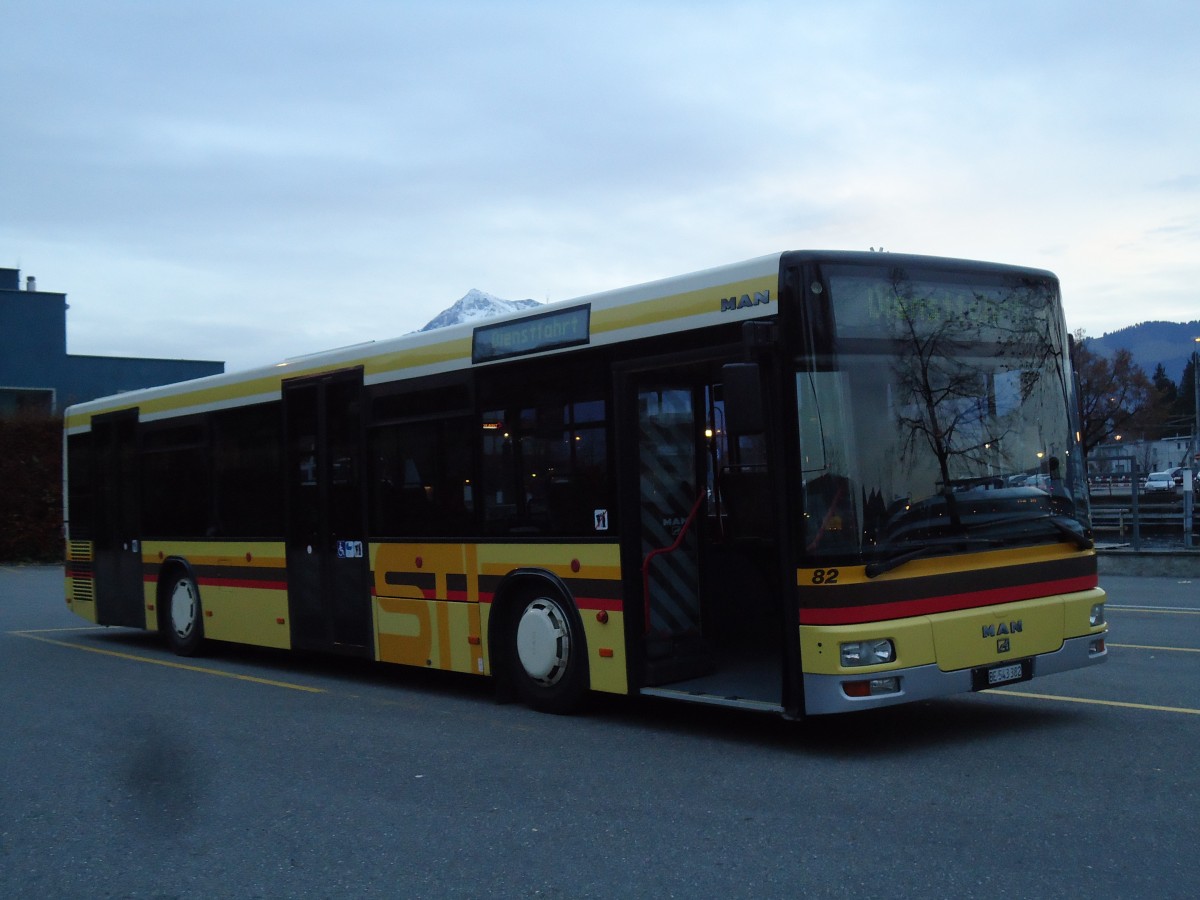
x,y
828,693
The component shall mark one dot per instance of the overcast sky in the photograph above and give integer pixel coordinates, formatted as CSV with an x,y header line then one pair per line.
x,y
257,179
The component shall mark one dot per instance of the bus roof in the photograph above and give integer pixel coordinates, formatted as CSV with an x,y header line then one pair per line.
x,y
743,290
658,307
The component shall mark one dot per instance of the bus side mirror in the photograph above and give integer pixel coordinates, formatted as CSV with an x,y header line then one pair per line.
x,y
743,399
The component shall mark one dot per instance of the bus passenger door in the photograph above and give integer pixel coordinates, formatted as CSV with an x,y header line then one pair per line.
x,y
117,553
671,501
702,542
327,553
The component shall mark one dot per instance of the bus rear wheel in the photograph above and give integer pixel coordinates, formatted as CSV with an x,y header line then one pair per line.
x,y
184,619
547,653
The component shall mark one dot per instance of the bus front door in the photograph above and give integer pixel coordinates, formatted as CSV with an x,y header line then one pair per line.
x,y
671,501
704,549
117,554
327,553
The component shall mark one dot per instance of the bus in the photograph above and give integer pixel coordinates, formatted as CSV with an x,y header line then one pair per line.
x,y
808,483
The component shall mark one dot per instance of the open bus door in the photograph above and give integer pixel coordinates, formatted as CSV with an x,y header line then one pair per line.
x,y
703,542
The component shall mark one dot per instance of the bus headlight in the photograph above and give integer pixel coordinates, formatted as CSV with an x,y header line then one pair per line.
x,y
867,653
1097,615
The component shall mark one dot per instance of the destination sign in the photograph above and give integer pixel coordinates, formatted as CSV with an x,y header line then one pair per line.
x,y
876,306
547,331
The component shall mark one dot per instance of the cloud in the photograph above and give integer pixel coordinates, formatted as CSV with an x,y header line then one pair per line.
x,y
315,173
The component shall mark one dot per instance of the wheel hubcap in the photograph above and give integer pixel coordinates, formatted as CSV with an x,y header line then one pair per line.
x,y
544,642
183,609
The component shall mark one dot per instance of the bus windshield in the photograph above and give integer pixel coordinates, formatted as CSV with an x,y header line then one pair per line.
x,y
934,416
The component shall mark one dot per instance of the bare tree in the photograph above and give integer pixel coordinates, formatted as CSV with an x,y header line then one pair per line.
x,y
1116,396
951,401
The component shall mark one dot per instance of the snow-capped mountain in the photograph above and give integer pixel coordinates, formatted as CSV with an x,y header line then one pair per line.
x,y
474,305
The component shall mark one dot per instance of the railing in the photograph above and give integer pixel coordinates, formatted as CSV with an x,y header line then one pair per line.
x,y
1122,518
1155,514
661,550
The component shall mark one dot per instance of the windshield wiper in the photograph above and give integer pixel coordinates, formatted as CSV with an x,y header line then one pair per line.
x,y
877,568
1058,522
1062,524
1078,538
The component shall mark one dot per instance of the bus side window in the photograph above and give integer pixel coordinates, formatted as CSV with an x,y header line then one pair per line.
x,y
174,468
247,489
421,479
545,468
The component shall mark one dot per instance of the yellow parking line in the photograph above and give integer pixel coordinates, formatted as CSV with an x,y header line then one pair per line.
x,y
1149,647
169,663
1171,709
1173,610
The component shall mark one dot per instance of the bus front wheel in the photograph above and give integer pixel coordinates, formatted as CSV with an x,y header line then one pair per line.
x,y
547,653
184,620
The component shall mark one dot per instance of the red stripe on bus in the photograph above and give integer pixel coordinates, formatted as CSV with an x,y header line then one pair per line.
x,y
593,603
598,603
244,583
856,615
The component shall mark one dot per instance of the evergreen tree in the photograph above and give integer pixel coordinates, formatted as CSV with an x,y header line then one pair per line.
x,y
1184,408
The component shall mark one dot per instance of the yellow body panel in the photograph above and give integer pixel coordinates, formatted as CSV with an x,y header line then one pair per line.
x,y
241,613
681,305
939,565
438,634
975,637
427,609
150,602
246,616
84,608
80,587
430,610
237,554
608,672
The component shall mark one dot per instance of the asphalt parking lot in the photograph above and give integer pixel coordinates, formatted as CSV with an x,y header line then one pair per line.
x,y
129,772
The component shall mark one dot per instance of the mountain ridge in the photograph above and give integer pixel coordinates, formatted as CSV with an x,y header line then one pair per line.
x,y
475,305
1152,343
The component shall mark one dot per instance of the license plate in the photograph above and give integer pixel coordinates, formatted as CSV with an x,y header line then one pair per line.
x,y
1004,674
986,677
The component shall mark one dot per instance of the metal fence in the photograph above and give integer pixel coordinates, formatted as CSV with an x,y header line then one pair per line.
x,y
1125,511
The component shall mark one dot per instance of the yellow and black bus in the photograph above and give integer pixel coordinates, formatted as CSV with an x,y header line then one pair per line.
x,y
808,483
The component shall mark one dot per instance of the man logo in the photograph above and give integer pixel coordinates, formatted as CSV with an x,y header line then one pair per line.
x,y
1002,628
732,303
1002,645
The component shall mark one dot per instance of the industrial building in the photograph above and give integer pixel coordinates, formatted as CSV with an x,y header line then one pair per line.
x,y
38,376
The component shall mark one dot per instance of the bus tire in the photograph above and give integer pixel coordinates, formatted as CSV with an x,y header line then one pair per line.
x,y
184,619
546,651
